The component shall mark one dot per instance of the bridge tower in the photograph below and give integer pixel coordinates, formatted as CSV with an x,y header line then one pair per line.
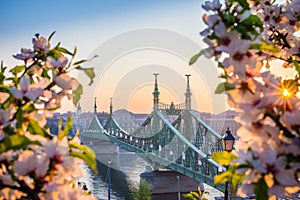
x,y
78,113
110,107
155,124
95,105
155,93
188,94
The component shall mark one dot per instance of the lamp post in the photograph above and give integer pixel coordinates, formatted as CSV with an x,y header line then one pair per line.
x,y
178,181
227,142
108,178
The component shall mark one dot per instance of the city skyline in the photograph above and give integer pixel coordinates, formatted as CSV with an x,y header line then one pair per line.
x,y
132,40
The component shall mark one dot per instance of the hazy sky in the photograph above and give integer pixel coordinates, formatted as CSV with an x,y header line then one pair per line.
x,y
133,39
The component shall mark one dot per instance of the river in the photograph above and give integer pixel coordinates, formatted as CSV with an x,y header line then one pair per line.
x,y
125,170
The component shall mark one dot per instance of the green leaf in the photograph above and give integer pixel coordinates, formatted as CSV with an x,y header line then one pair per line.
x,y
297,66
88,155
35,129
195,194
250,25
17,69
54,53
220,65
268,47
8,102
264,46
75,51
29,107
45,74
76,94
224,87
16,142
223,177
224,157
196,56
10,130
261,189
189,196
229,19
20,117
67,128
51,35
89,72
79,62
237,179
255,46
63,50
4,89
243,3
244,31
2,72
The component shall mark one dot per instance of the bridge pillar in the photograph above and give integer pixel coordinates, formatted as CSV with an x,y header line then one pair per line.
x,y
188,94
95,105
163,184
155,93
155,125
110,107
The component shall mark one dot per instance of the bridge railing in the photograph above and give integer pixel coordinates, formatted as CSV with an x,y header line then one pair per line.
x,y
165,144
165,106
166,148
205,138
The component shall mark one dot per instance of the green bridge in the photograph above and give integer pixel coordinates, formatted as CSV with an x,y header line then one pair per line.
x,y
183,144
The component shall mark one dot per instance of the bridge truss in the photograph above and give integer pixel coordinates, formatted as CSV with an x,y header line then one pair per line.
x,y
172,137
175,139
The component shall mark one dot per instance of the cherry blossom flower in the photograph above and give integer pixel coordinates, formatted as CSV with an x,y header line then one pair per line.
x,y
66,82
7,193
26,54
56,149
28,162
40,43
210,20
236,48
42,163
3,96
214,5
24,90
59,63
5,177
245,189
268,105
30,91
56,191
5,116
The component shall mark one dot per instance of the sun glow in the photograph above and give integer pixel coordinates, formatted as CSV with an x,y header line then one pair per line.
x,y
286,93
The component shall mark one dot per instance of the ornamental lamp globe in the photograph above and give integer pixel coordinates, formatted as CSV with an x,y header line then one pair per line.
x,y
228,141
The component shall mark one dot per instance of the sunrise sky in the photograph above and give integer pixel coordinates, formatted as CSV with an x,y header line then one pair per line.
x,y
132,39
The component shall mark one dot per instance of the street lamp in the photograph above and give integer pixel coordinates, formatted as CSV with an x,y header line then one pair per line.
x,y
227,142
108,177
178,181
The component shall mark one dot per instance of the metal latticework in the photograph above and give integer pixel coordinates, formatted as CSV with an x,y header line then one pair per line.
x,y
183,144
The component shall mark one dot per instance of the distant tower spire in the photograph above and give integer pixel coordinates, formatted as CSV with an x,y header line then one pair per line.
x,y
188,94
79,108
95,105
111,107
155,93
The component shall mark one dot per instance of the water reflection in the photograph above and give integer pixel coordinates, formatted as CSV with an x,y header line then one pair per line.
x,y
126,168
